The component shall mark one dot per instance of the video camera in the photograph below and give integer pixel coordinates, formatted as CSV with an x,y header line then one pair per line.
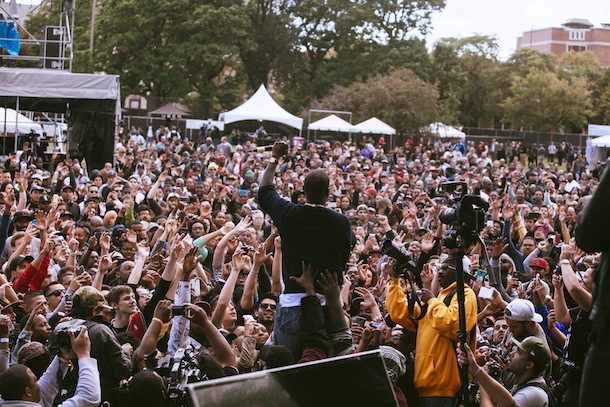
x,y
466,218
404,259
179,370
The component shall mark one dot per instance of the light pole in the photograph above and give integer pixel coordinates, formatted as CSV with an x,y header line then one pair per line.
x,y
91,39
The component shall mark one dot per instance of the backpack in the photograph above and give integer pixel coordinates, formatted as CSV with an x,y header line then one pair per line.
x,y
553,401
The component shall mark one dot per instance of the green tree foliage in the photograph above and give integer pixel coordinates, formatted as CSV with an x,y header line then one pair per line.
x,y
395,20
467,71
165,52
523,60
269,49
400,98
544,102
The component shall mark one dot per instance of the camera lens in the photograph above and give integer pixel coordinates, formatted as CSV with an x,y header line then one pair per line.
x,y
448,216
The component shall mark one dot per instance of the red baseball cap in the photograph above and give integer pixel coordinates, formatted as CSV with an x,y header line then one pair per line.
x,y
539,262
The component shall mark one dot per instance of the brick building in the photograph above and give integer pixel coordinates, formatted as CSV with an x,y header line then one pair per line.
x,y
574,35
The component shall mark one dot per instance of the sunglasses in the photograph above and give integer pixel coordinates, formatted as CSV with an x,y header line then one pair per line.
x,y
272,307
57,293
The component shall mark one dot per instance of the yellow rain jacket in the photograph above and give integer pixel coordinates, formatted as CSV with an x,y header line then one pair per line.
x,y
436,368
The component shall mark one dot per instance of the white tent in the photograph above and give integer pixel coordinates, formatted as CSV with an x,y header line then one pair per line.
x,y
261,106
12,122
373,126
444,131
603,141
331,123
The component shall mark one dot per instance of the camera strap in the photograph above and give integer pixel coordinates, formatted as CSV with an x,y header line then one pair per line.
x,y
411,305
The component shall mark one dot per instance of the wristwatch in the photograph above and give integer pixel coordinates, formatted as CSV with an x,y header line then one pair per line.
x,y
272,160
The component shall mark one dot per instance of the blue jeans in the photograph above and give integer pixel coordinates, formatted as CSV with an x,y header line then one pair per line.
x,y
287,330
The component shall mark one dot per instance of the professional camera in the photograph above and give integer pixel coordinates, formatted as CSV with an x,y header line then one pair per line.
x,y
466,218
404,259
63,337
180,369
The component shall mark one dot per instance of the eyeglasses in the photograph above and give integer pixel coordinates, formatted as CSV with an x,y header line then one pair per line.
x,y
272,307
57,293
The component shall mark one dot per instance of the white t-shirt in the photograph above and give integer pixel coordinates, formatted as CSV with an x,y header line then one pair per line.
x,y
532,396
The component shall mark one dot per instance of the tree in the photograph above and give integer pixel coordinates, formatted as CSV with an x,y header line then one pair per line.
x,y
394,20
342,41
523,60
269,51
164,53
400,98
474,83
544,102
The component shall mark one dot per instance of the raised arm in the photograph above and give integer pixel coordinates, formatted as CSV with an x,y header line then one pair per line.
x,y
227,290
280,148
221,247
276,270
247,298
222,350
152,192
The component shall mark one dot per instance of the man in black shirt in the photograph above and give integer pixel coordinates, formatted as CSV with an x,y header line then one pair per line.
x,y
311,234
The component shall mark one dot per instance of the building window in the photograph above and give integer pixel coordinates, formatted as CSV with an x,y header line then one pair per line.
x,y
576,48
577,35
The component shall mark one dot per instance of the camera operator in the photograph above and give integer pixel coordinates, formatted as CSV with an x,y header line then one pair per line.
x,y
436,371
114,365
18,385
528,362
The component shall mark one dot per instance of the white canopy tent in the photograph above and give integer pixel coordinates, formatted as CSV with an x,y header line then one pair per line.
x,y
261,106
331,123
374,126
12,122
444,131
603,141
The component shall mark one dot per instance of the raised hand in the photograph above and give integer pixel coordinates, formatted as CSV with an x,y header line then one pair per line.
x,y
41,221
508,212
143,249
259,255
190,260
195,314
557,282
280,149
243,224
307,279
368,300
105,263
427,275
73,245
163,311
132,236
328,282
105,242
81,344
427,242
498,247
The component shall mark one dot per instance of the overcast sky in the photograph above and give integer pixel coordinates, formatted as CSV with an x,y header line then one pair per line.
x,y
509,19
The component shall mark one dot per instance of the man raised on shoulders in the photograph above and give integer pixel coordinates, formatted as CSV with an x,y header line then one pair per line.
x,y
311,233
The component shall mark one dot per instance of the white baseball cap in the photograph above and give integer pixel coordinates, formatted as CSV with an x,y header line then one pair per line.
x,y
522,310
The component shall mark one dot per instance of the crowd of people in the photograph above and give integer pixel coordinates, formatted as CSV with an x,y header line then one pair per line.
x,y
236,259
